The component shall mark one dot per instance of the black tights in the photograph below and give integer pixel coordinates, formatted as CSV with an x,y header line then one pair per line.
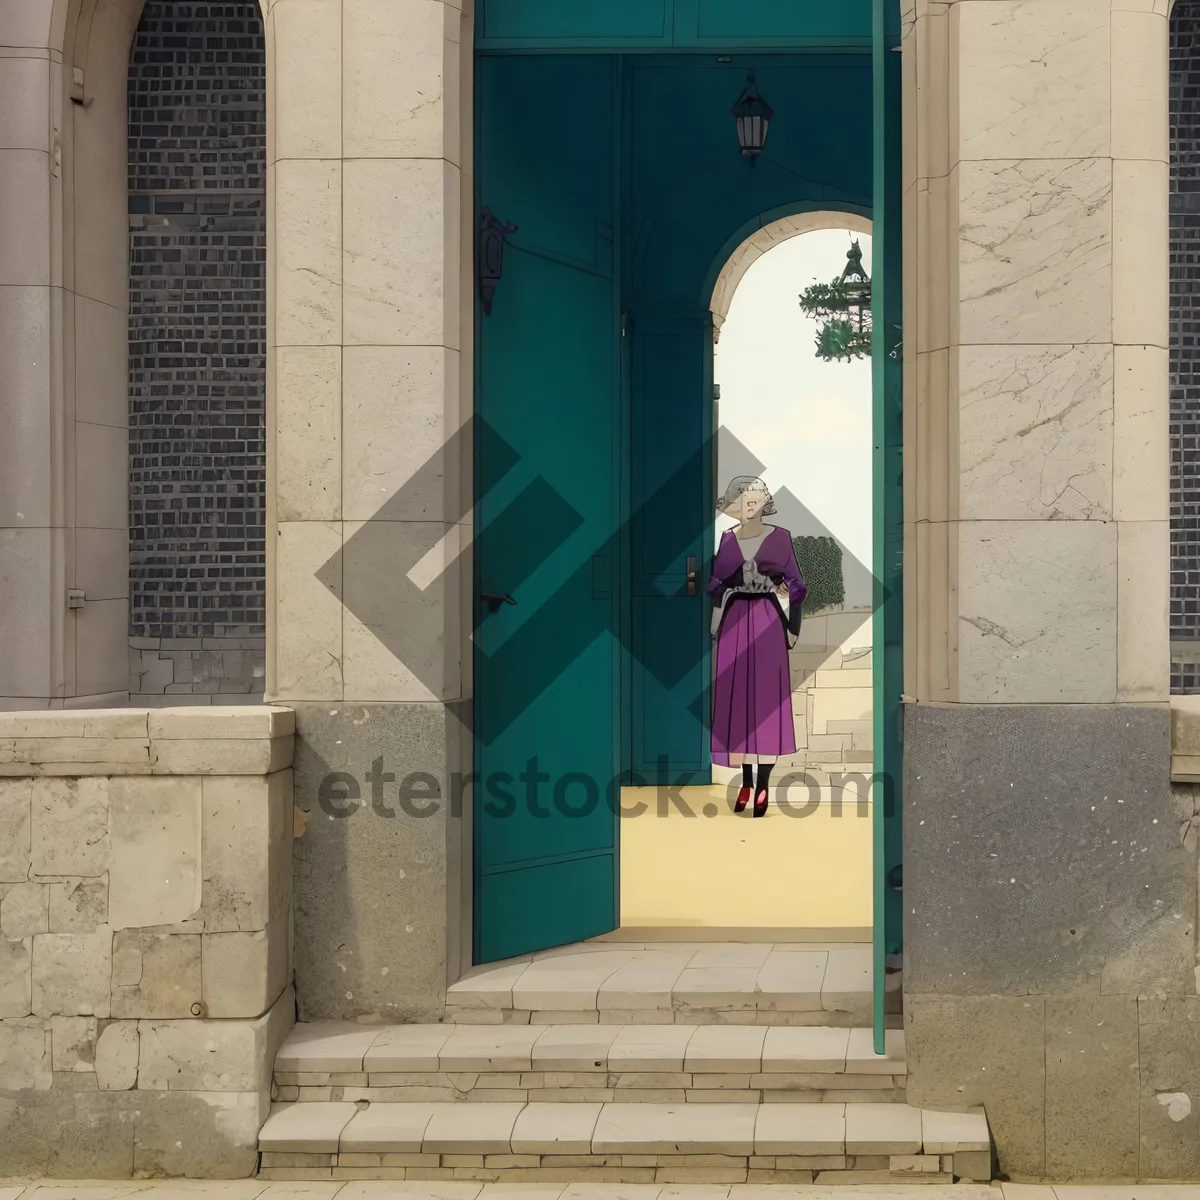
x,y
764,775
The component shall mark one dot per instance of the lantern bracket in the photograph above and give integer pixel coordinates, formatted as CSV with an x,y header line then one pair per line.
x,y
489,260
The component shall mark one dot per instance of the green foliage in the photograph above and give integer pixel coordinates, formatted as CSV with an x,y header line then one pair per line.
x,y
820,562
838,337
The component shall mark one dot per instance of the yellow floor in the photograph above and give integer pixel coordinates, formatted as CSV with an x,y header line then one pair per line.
x,y
722,870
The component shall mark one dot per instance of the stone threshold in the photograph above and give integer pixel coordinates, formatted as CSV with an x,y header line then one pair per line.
x,y
668,982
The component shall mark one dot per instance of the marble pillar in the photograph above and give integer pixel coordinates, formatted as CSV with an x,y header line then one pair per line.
x,y
1037,560
369,504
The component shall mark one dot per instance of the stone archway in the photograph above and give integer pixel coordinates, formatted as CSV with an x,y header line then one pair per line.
x,y
759,242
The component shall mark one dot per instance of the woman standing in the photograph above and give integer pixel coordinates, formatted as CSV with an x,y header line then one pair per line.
x,y
754,566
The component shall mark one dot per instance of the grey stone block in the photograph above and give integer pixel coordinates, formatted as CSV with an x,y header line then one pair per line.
x,y
78,905
1092,1088
1042,852
244,973
155,974
964,1051
202,1135
70,826
1169,1039
72,973
67,1134
73,1043
376,896
117,1056
25,910
25,1055
16,977
16,804
212,1056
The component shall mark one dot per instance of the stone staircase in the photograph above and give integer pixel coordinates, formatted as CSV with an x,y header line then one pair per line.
x,y
605,1062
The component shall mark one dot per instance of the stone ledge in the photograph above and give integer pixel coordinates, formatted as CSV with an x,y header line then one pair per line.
x,y
221,740
229,722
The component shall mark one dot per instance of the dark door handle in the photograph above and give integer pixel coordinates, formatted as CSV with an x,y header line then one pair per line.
x,y
493,600
693,585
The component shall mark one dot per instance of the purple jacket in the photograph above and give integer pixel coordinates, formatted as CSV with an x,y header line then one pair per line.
x,y
776,559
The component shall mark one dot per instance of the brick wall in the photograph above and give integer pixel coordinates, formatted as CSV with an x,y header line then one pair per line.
x,y
197,341
1185,347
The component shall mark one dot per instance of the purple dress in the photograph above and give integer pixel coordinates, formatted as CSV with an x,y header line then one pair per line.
x,y
752,691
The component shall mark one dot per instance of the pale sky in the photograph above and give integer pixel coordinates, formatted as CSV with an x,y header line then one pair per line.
x,y
808,420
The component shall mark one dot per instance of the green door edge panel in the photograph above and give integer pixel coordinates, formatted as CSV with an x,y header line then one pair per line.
x,y
888,510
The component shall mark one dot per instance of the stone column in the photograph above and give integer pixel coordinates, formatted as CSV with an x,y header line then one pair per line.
x,y
369,502
1047,894
63,406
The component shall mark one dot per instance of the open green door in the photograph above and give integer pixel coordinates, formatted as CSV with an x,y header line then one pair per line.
x,y
887,496
547,512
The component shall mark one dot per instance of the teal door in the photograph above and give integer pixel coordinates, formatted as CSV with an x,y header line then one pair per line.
x,y
548,509
670,544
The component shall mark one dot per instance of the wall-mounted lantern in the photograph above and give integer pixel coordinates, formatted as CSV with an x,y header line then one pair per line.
x,y
490,258
857,286
753,116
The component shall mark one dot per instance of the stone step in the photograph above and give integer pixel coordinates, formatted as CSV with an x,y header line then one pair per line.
x,y
328,1061
631,1143
747,983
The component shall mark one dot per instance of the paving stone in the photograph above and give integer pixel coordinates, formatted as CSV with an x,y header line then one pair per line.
x,y
849,980
407,1048
555,1129
574,1047
675,1129
390,1128
471,1128
646,983
490,1048
489,987
726,1048
800,1129
570,982
309,1128
882,1129
326,1046
730,954
790,1048
792,979
650,1048
716,987
861,1058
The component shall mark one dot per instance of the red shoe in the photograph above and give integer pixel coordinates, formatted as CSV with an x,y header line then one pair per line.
x,y
760,804
742,800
